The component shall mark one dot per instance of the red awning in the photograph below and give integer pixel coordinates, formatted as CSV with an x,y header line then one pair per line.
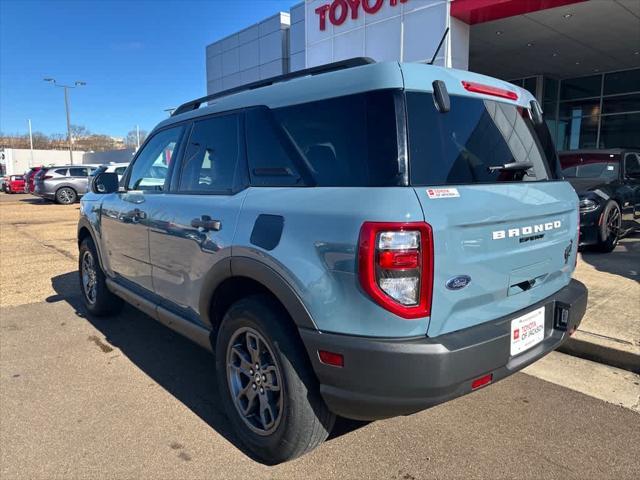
x,y
479,11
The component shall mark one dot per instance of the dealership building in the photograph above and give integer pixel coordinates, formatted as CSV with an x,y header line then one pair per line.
x,y
580,58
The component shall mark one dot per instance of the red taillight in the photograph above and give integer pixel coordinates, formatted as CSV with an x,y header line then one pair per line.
x,y
398,260
395,266
482,381
489,90
47,177
331,358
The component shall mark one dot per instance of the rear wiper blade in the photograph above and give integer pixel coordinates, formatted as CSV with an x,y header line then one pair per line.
x,y
514,166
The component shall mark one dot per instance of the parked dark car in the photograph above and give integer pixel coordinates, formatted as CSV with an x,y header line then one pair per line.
x,y
608,185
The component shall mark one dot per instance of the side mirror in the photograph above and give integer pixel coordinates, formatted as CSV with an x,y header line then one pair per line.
x,y
105,182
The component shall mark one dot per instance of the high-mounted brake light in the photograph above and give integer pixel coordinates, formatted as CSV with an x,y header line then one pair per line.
x,y
395,266
489,90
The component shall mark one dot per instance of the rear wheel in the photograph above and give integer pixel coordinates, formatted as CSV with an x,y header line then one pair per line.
x,y
98,299
66,195
610,228
270,391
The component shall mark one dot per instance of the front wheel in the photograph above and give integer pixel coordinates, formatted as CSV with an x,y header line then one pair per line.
x,y
268,386
98,299
66,196
610,228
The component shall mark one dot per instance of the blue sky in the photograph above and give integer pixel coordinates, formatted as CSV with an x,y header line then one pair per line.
x,y
137,57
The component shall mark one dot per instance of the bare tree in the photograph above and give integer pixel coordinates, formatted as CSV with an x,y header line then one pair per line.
x,y
131,139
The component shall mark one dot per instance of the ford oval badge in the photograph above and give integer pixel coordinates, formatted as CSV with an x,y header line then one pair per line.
x,y
456,283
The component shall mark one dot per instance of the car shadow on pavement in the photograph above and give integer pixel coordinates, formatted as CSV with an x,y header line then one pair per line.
x,y
623,261
182,368
35,201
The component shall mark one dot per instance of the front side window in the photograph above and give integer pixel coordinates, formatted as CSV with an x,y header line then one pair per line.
x,y
211,161
151,166
632,165
477,141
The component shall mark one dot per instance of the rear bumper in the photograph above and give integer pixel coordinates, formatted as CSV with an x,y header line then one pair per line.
x,y
44,194
384,377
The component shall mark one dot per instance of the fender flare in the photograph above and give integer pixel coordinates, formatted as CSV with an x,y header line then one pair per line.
x,y
83,222
258,271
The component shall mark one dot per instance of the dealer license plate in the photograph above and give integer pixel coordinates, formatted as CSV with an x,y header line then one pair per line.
x,y
527,331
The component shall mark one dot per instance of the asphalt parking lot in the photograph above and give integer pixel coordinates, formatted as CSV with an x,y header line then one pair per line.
x,y
125,397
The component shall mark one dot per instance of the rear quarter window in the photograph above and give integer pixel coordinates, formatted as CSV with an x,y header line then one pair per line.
x,y
343,141
461,146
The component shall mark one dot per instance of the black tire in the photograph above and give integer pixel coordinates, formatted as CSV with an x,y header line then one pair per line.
x,y
102,301
66,196
610,228
304,421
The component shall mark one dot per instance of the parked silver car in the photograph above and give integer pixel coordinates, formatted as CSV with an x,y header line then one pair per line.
x,y
63,184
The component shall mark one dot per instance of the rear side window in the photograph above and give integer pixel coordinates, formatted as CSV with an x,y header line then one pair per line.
x,y
78,172
466,144
271,156
61,171
345,141
211,161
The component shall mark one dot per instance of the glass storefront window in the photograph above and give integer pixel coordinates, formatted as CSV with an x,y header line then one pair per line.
x,y
582,87
530,84
621,104
620,131
577,132
550,90
622,82
580,108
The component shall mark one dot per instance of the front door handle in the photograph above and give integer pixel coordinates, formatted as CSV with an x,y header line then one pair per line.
x,y
135,215
206,223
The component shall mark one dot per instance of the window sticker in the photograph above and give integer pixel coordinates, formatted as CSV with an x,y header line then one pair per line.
x,y
442,193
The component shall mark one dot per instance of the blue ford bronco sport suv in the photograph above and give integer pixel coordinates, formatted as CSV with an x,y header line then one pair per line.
x,y
359,239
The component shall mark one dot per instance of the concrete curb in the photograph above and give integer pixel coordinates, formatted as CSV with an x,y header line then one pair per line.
x,y
601,349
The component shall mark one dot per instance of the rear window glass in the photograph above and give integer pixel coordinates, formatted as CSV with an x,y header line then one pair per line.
x,y
473,141
345,141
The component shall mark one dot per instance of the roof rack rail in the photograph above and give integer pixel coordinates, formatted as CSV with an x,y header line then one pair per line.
x,y
330,67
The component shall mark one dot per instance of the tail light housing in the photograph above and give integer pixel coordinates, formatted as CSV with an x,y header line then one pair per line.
x,y
395,266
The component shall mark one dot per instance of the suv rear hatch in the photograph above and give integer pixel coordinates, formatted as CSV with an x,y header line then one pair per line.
x,y
504,237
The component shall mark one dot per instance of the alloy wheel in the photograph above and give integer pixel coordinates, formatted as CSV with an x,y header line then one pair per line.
x,y
255,381
65,196
89,277
613,223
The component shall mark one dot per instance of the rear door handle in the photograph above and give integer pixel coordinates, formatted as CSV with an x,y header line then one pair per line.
x,y
206,223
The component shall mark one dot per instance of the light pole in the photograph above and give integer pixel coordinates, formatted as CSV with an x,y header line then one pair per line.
x,y
66,106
